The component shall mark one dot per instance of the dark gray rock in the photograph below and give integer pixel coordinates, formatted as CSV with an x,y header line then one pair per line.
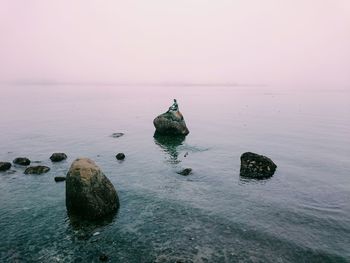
x,y
185,172
60,178
57,157
256,166
103,257
40,169
120,156
4,166
170,123
22,161
89,193
117,134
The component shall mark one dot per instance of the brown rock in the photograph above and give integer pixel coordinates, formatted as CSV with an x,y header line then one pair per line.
x,y
89,193
170,123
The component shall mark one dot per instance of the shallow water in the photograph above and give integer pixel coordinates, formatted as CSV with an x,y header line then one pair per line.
x,y
301,214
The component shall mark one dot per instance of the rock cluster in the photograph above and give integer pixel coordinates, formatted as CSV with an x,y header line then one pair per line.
x,y
89,193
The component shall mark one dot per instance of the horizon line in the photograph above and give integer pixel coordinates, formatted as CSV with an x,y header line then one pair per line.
x,y
102,83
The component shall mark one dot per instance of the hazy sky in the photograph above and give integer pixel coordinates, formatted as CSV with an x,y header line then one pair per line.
x,y
246,41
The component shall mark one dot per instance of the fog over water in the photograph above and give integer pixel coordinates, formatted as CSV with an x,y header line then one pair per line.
x,y
270,77
298,44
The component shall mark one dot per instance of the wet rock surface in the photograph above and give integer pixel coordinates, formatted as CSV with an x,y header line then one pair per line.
x,y
89,193
58,157
21,161
256,166
120,156
4,166
40,169
60,178
185,172
170,123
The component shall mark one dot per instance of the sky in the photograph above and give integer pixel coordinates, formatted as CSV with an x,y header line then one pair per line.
x,y
268,42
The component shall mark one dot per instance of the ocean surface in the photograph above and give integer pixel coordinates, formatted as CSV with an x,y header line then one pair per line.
x,y
301,214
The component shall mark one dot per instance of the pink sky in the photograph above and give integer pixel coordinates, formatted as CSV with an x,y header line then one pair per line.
x,y
295,42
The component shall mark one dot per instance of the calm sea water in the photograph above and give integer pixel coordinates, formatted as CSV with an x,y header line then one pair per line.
x,y
301,214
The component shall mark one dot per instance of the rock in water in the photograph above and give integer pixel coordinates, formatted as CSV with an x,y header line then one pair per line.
x,y
37,169
117,134
60,178
186,171
256,166
4,166
103,257
170,123
120,156
89,193
57,157
21,161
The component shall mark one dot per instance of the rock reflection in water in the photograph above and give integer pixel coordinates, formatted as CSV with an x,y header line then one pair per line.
x,y
170,144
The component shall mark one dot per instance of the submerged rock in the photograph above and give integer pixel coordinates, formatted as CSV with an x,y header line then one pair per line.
x,y
117,134
120,156
171,123
256,166
4,166
185,172
60,178
21,161
40,169
57,157
89,193
103,257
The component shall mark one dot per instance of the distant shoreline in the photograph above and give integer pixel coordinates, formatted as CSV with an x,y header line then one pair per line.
x,y
164,84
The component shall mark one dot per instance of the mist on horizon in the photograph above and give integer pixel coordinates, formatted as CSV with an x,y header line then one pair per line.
x,y
302,43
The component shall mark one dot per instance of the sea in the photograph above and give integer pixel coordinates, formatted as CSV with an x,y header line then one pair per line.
x,y
300,214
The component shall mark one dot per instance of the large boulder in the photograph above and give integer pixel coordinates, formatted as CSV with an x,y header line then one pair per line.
x,y
89,193
256,166
4,166
170,123
40,169
57,157
21,161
